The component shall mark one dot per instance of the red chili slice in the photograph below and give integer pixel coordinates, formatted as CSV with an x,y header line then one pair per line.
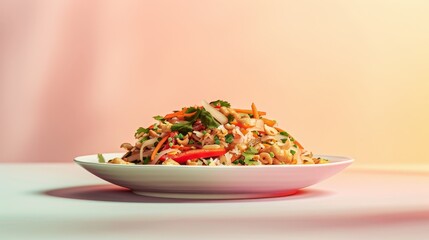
x,y
193,154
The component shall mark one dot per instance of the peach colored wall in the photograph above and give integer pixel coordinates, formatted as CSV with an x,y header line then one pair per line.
x,y
345,77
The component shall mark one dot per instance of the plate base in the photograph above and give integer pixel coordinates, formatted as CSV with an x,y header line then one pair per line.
x,y
215,195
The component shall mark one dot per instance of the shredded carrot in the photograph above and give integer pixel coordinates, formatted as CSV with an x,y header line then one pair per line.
x,y
294,140
255,111
249,111
241,125
243,130
180,114
172,115
269,122
189,114
155,151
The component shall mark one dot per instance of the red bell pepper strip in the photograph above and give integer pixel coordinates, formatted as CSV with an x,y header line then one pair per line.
x,y
193,154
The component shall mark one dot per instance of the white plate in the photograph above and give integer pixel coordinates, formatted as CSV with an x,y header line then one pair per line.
x,y
220,182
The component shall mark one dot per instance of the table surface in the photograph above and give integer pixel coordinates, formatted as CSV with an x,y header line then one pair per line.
x,y
63,201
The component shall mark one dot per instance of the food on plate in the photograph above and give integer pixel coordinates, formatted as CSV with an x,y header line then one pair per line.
x,y
214,134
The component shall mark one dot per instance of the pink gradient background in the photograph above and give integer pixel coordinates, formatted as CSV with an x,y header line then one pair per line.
x,y
344,77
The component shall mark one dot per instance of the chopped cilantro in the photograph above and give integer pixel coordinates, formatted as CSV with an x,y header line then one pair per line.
x,y
180,136
250,115
284,134
183,127
170,144
191,141
206,118
230,118
271,154
292,152
239,161
204,132
216,140
144,139
229,138
146,160
220,103
284,140
141,130
159,118
295,146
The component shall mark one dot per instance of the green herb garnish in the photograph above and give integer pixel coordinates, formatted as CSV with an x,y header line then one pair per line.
x,y
141,130
180,136
146,160
284,134
183,127
200,113
220,103
208,120
292,152
101,158
230,118
216,140
159,118
248,156
229,138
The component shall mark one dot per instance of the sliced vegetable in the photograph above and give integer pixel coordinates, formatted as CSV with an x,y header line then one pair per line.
x,y
145,144
162,153
194,154
255,111
249,111
215,113
158,146
257,125
269,122
180,114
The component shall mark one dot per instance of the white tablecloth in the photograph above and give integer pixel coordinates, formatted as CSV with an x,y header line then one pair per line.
x,y
63,201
